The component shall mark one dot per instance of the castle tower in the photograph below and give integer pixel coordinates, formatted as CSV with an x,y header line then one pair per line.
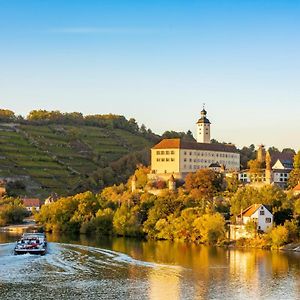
x,y
268,171
203,128
172,183
261,154
133,183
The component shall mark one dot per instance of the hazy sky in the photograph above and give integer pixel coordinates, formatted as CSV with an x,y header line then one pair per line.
x,y
158,61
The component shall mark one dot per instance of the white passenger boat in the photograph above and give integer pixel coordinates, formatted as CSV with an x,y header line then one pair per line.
x,y
32,243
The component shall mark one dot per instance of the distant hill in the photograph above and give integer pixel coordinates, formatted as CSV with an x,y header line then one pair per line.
x,y
44,157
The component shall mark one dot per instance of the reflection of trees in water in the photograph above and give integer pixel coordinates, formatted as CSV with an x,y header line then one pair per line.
x,y
202,272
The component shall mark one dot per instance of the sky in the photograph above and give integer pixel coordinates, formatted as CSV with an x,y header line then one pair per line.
x,y
158,61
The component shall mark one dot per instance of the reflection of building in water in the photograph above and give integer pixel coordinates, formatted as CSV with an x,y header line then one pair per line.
x,y
164,283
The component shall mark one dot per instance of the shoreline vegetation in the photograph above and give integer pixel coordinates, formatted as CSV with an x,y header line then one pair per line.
x,y
197,212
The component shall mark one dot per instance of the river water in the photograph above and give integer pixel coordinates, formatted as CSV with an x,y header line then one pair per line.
x,y
89,268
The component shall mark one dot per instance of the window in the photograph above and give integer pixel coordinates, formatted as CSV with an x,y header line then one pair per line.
x,y
158,159
162,152
172,159
184,159
162,159
262,212
172,152
158,152
268,220
167,152
190,153
184,152
167,159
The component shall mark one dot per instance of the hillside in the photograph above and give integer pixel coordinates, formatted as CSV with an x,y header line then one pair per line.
x,y
66,159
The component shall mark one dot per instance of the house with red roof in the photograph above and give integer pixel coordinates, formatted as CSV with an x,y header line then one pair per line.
x,y
296,189
31,204
258,214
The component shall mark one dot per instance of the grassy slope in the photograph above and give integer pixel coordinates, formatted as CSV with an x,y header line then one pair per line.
x,y
57,157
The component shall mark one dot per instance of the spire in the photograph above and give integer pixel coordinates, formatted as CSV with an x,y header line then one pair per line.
x,y
203,111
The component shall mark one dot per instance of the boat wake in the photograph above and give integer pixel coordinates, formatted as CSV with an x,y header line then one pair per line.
x,y
80,270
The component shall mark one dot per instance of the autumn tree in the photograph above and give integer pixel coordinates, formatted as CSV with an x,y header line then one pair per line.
x,y
204,183
7,115
294,177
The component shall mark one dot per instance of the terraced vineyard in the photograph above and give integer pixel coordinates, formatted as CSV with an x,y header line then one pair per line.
x,y
58,158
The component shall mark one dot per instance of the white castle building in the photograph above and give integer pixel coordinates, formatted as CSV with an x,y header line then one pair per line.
x,y
178,157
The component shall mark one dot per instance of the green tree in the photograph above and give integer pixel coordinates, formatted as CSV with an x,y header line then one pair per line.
x,y
211,228
279,236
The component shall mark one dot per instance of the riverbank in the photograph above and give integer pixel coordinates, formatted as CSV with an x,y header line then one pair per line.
x,y
20,228
292,247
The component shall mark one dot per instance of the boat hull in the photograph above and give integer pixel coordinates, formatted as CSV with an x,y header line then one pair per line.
x,y
31,251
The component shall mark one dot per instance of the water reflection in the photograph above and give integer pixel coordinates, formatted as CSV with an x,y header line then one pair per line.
x,y
133,269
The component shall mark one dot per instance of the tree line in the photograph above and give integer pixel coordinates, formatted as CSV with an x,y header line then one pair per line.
x,y
197,212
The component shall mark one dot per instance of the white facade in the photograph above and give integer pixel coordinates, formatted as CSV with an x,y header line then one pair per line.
x,y
193,160
203,132
203,128
262,216
179,162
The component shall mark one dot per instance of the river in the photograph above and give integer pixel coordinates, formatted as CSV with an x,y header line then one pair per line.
x,y
119,268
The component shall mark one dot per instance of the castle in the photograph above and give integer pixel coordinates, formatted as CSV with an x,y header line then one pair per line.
x,y
177,157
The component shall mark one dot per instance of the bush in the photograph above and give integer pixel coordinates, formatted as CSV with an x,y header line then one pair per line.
x,y
211,228
279,236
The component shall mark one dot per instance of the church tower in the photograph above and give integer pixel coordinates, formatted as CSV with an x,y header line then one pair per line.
x,y
203,128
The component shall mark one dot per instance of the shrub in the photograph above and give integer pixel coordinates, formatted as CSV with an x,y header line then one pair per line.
x,y
279,236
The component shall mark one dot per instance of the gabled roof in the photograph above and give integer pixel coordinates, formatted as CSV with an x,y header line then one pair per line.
x,y
286,158
30,202
249,211
180,144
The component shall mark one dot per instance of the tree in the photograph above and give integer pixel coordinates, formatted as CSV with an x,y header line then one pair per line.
x,y
211,228
247,153
255,167
279,236
297,160
297,207
243,198
273,149
294,177
232,184
205,183
143,129
7,115
141,174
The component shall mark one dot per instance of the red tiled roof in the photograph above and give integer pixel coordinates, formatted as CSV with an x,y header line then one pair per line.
x,y
297,187
248,212
30,202
179,144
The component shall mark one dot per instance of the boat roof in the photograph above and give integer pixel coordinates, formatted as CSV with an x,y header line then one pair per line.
x,y
33,234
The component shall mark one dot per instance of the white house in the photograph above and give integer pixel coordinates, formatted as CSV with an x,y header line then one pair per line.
x,y
259,214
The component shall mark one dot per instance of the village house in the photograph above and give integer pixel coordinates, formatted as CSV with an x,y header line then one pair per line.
x,y
32,204
176,157
259,214
277,170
